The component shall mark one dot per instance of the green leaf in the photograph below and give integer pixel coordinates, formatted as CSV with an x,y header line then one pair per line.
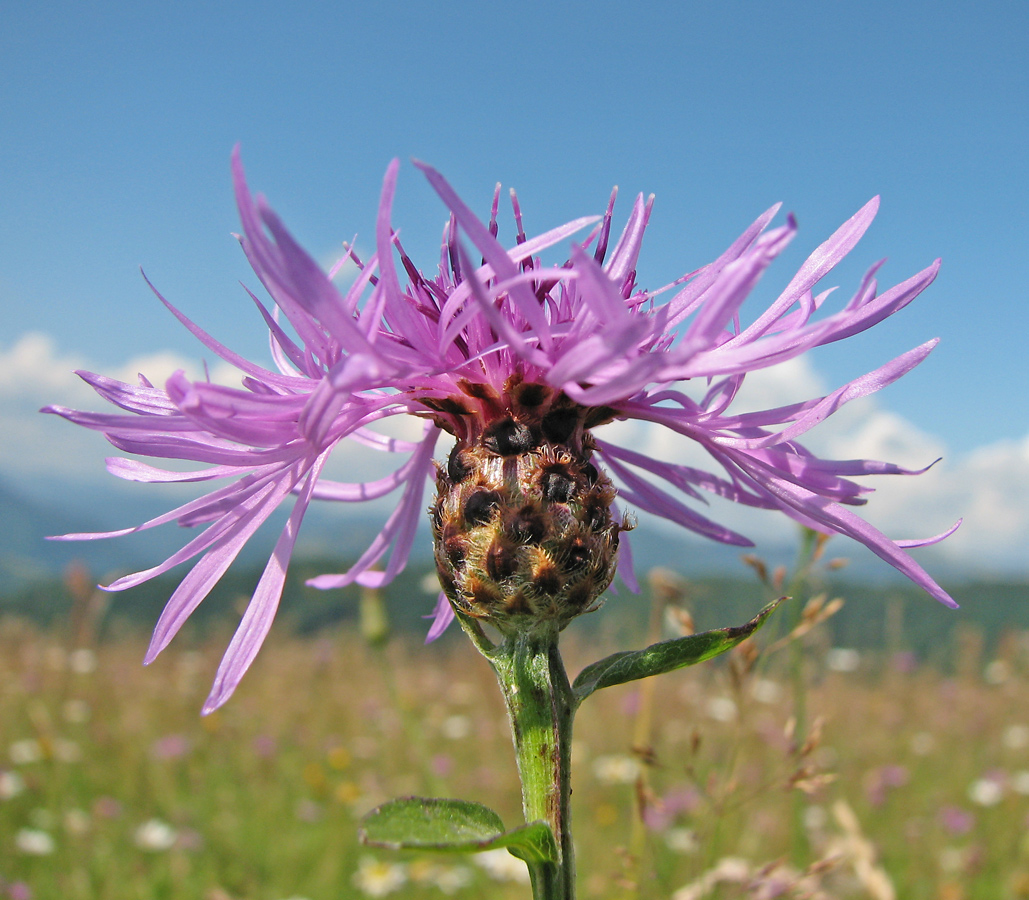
x,y
453,826
665,656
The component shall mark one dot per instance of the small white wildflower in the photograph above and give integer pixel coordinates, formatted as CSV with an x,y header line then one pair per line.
x,y
25,751
375,878
764,690
34,842
616,768
76,711
155,836
1020,782
985,792
952,859
430,583
721,709
997,672
693,891
76,821
1016,737
732,868
82,661
67,751
843,659
502,866
815,818
11,784
456,727
681,840
450,879
922,743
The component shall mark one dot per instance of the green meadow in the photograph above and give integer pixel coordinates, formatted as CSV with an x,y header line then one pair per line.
x,y
801,766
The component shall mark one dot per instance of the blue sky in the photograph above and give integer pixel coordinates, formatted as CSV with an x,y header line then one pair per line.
x,y
117,120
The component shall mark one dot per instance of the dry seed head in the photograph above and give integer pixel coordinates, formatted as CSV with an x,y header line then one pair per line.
x,y
522,522
667,585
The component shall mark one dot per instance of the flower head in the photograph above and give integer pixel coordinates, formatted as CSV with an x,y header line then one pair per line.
x,y
518,361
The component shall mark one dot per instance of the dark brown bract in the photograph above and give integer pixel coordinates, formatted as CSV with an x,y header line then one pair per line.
x,y
524,535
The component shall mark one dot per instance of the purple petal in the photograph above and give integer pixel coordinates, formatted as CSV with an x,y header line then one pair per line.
x,y
442,616
492,253
650,498
627,251
935,539
260,612
400,526
859,387
837,518
686,301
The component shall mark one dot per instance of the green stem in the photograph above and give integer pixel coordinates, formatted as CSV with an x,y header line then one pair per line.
x,y
540,707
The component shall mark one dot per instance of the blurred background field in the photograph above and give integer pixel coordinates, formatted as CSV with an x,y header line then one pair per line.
x,y
882,752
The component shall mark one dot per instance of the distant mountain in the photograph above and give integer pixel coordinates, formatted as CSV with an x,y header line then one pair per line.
x,y
26,554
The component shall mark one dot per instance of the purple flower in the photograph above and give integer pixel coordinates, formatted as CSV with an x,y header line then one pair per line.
x,y
264,745
451,348
171,746
905,662
879,782
956,820
679,800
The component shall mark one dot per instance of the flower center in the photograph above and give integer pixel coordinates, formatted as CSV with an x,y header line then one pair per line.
x,y
522,521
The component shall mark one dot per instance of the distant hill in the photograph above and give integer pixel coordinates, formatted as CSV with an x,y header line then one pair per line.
x,y
25,553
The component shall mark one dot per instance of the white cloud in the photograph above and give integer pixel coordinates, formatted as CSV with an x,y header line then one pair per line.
x,y
35,369
28,367
989,487
33,374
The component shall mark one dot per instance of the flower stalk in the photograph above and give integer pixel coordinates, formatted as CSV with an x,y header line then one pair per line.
x,y
540,708
541,704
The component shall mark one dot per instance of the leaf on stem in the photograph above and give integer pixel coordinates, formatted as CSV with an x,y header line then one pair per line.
x,y
453,826
665,656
